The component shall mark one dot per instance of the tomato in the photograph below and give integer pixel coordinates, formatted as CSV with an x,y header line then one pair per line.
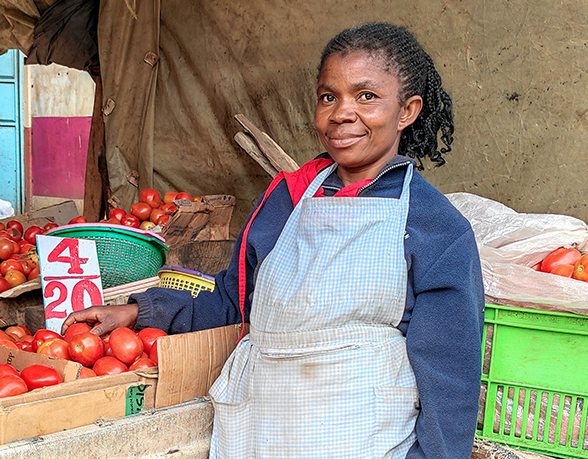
x,y
15,277
80,219
26,247
86,372
141,363
35,272
141,211
169,208
561,256
31,233
50,225
130,220
169,197
15,224
8,343
74,329
4,285
55,348
148,337
11,385
196,199
40,376
563,270
44,335
147,225
150,196
86,348
6,369
26,267
581,268
24,346
156,215
109,365
153,353
6,248
182,195
4,335
113,221
2,226
163,220
18,330
126,345
117,213
14,234
7,265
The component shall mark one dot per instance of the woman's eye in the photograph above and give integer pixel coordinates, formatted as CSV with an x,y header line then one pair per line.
x,y
367,96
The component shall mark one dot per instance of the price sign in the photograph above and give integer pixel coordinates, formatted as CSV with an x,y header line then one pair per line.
x,y
70,277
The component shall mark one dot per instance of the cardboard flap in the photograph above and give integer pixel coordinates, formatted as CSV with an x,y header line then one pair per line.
x,y
181,380
68,369
60,213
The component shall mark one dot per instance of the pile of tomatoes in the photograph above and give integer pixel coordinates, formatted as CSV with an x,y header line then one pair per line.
x,y
150,210
121,350
565,261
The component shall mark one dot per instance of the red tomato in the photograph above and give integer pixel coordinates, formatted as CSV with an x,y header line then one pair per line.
x,y
153,353
15,277
109,365
169,197
150,196
2,226
6,369
80,219
182,195
17,330
563,270
40,376
130,220
196,199
24,346
561,256
74,329
26,267
15,224
169,208
86,372
44,335
148,337
35,272
50,225
113,221
163,220
8,343
31,234
126,345
26,247
55,348
581,268
4,285
117,213
4,335
141,211
156,216
141,363
86,348
6,248
7,265
12,385
14,234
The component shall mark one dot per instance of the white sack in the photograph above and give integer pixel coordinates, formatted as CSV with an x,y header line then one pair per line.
x,y
6,209
510,243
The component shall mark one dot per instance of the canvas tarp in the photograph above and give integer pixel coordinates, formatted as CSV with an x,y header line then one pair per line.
x,y
17,23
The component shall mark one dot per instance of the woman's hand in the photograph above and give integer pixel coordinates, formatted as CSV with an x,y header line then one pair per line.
x,y
104,318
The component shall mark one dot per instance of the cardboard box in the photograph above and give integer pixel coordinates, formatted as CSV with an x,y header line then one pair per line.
x,y
60,213
188,365
208,220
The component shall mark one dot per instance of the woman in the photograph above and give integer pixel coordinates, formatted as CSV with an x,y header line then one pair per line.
x,y
366,303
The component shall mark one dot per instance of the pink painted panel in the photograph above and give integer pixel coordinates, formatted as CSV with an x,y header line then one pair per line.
x,y
60,148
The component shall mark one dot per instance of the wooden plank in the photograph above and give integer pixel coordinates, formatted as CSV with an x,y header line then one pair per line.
x,y
246,142
274,153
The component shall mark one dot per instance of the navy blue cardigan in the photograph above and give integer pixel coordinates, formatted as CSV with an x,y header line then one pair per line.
x,y
442,321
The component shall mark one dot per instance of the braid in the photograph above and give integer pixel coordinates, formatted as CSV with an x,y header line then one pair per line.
x,y
416,74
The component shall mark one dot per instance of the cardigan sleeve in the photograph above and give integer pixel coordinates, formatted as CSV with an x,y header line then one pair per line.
x,y
444,339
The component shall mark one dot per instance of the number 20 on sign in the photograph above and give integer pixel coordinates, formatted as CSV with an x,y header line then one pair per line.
x,y
70,277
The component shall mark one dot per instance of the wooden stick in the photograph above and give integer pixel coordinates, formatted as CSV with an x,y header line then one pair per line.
x,y
248,144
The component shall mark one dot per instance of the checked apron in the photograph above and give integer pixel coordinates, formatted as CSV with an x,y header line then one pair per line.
x,y
324,371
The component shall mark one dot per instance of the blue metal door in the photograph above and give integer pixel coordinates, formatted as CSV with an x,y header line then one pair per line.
x,y
11,129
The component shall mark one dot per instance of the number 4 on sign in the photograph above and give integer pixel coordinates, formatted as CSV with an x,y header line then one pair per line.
x,y
70,277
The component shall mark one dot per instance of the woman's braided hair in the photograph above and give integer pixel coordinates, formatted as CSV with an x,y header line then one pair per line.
x,y
416,74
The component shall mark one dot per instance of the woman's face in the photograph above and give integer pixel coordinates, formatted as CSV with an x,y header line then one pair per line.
x,y
358,116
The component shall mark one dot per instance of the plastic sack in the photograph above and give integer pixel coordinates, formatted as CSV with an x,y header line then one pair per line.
x,y
6,209
510,243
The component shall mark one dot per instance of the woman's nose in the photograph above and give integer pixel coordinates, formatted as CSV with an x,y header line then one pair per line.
x,y
343,112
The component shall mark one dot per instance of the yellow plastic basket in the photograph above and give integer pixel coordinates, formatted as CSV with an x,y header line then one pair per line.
x,y
178,278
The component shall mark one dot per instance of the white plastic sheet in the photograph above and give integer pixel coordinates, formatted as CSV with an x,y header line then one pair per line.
x,y
510,243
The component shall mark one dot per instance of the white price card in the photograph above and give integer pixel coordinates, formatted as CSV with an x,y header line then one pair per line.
x,y
70,277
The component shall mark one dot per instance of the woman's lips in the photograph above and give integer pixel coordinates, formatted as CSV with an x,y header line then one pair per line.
x,y
344,141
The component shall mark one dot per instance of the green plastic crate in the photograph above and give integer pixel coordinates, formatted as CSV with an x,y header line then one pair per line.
x,y
535,381
124,254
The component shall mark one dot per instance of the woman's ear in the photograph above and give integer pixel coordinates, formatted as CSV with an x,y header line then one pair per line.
x,y
410,111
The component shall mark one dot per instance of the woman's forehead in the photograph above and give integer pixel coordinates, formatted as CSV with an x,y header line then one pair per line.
x,y
357,68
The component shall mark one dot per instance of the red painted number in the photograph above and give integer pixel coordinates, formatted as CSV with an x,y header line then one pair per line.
x,y
77,294
73,260
49,310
